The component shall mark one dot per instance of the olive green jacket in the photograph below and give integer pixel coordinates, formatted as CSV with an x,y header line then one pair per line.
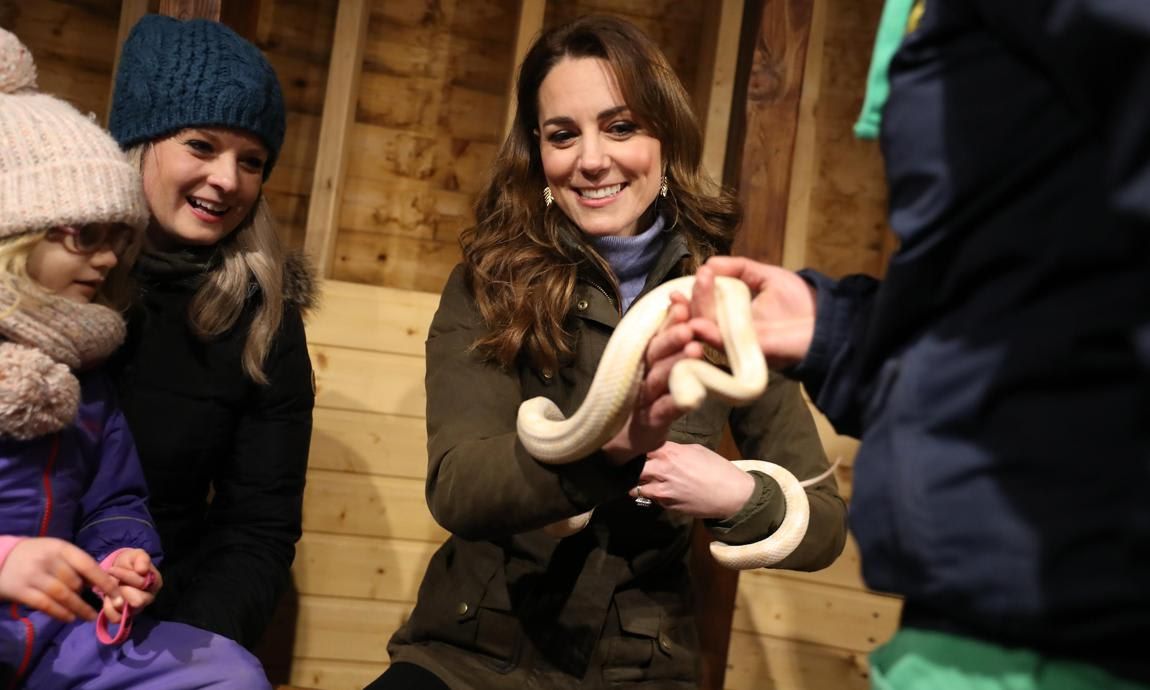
x,y
504,605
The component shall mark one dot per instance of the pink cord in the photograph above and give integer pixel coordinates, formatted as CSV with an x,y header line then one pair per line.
x,y
102,633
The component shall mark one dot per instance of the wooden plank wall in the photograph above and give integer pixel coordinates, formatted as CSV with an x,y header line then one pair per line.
x,y
296,37
367,532
836,217
432,99
74,68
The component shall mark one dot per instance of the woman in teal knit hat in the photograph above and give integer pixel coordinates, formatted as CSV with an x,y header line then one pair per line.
x,y
215,378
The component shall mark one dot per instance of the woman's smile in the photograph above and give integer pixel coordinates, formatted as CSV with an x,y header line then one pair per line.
x,y
603,167
201,184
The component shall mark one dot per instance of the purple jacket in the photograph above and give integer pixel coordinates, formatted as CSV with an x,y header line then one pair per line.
x,y
82,484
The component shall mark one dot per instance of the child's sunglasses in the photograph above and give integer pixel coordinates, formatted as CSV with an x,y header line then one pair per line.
x,y
89,239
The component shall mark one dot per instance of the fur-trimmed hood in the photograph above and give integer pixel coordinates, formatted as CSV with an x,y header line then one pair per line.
x,y
301,284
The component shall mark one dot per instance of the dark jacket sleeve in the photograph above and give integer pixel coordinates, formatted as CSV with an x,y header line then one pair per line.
x,y
836,371
1098,54
481,481
778,428
244,560
114,509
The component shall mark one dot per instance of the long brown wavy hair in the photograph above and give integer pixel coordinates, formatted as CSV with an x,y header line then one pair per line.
x,y
522,258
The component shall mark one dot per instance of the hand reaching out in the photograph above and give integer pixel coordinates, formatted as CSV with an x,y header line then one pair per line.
x,y
694,480
782,308
47,574
655,410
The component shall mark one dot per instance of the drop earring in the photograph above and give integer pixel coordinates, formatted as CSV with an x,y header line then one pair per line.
x,y
663,187
547,198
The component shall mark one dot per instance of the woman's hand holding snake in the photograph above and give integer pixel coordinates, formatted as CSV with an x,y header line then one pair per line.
x,y
655,410
647,340
694,480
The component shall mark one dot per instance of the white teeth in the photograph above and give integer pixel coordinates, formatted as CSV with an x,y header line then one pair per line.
x,y
601,192
208,206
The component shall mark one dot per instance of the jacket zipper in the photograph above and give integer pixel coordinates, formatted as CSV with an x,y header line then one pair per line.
x,y
47,480
610,299
29,629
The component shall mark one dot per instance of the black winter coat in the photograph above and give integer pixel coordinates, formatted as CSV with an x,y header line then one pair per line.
x,y
225,459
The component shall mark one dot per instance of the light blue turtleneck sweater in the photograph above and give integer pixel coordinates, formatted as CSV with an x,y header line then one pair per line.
x,y
631,258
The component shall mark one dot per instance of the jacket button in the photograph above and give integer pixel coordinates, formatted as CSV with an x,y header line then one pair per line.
x,y
582,305
664,643
463,608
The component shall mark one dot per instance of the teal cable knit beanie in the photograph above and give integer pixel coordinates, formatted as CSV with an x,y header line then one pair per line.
x,y
177,74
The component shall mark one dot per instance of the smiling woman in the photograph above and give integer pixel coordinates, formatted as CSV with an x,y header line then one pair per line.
x,y
596,197
603,168
215,378
201,184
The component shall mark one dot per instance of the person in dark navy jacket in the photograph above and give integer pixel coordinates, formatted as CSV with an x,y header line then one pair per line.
x,y
997,376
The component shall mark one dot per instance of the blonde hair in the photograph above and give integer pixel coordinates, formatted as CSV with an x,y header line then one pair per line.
x,y
116,292
251,251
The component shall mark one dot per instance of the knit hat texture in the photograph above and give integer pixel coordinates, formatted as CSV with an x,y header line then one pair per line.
x,y
57,167
177,74
17,70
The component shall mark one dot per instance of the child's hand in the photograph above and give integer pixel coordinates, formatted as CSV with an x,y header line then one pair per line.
x,y
47,574
131,568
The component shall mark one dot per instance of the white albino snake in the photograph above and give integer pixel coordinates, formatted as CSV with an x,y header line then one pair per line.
x,y
552,439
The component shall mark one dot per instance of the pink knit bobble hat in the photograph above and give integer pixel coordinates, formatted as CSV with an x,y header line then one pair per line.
x,y
57,167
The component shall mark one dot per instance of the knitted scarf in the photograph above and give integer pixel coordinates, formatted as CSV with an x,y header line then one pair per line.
x,y
42,339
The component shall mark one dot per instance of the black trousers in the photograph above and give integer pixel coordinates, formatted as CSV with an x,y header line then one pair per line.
x,y
405,676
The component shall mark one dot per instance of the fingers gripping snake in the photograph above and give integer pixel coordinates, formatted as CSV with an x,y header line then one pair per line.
x,y
553,439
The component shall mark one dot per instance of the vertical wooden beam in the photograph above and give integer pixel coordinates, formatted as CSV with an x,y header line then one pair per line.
x,y
530,22
265,23
803,180
191,9
759,50
715,81
767,126
713,586
335,131
836,218
242,16
768,70
130,13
